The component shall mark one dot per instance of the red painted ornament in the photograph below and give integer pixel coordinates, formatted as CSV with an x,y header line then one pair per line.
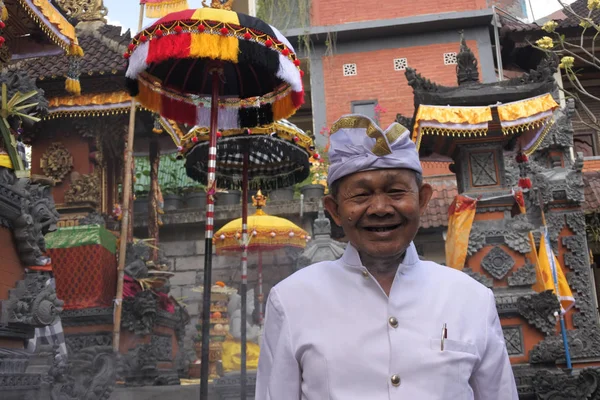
x,y
316,156
525,183
301,73
297,62
2,40
296,138
224,31
126,55
195,139
247,36
178,29
219,134
201,28
285,52
268,43
158,33
131,46
143,38
2,25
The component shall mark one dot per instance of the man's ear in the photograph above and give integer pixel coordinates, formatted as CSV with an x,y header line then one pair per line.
x,y
331,206
425,193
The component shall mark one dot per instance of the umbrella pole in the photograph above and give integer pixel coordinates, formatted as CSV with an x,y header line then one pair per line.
x,y
126,218
153,226
260,288
244,273
210,210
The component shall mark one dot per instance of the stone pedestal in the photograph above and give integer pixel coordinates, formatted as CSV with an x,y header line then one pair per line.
x,y
228,387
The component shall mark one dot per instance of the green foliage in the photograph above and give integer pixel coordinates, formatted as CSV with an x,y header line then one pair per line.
x,y
286,15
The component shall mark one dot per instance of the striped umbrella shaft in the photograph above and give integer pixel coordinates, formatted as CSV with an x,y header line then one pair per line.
x,y
260,288
244,273
210,210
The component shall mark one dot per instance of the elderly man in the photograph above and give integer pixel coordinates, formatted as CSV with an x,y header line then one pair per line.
x,y
380,323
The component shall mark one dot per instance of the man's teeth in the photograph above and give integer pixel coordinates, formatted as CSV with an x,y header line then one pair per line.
x,y
384,229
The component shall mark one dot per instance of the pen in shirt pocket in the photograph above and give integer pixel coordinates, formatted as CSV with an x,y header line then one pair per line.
x,y
444,336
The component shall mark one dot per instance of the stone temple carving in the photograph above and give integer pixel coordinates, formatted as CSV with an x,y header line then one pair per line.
x,y
322,247
56,162
84,189
32,302
497,262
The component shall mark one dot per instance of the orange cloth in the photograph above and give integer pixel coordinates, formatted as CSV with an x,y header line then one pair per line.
x,y
460,220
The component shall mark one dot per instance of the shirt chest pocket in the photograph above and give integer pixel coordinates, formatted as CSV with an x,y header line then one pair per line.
x,y
454,365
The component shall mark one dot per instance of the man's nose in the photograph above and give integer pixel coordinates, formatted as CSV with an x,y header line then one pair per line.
x,y
380,205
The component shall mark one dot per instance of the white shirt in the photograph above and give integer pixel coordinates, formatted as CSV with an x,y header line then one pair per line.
x,y
328,336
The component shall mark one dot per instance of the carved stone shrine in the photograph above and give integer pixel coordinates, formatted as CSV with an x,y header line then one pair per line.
x,y
484,149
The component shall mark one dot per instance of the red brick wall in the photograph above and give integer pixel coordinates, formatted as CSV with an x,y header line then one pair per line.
x,y
11,270
333,12
377,79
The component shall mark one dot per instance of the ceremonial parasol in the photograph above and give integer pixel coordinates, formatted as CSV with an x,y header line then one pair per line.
x,y
267,233
269,156
217,68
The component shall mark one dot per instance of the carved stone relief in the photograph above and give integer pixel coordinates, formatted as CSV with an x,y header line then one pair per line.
x,y
524,276
539,309
583,343
32,302
483,169
139,313
560,386
163,347
88,10
56,162
497,262
90,374
78,342
513,337
84,189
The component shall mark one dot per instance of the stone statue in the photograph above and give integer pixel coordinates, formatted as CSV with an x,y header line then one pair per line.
x,y
232,346
253,332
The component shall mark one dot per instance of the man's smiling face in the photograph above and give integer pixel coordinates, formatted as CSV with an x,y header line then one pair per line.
x,y
379,210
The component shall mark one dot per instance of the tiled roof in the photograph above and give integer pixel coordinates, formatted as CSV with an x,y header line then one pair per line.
x,y
444,191
591,181
509,25
564,17
103,53
580,8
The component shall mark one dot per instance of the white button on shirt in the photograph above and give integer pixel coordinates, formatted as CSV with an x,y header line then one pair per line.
x,y
330,333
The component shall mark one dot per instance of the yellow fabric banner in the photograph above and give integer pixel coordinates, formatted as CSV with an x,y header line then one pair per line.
x,y
460,220
545,279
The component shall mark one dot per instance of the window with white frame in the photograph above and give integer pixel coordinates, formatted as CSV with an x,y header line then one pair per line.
x,y
450,59
400,64
350,70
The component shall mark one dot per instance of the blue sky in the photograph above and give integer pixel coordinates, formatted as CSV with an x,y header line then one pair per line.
x,y
126,12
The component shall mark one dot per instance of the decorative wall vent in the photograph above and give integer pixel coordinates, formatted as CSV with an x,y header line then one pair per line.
x,y
450,59
400,64
350,70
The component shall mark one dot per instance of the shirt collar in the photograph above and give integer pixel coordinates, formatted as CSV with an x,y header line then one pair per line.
x,y
351,258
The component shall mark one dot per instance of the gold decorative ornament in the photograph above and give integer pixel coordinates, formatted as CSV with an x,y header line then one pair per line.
x,y
84,189
56,162
84,10
221,4
259,201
